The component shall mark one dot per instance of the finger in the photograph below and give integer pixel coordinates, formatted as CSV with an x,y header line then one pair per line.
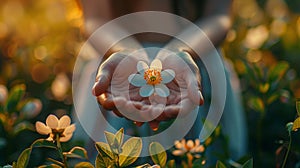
x,y
138,123
137,105
193,79
135,111
181,109
154,125
118,113
108,102
162,117
170,112
102,83
193,88
105,72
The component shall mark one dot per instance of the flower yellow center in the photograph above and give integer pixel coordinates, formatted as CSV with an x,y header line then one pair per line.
x,y
152,76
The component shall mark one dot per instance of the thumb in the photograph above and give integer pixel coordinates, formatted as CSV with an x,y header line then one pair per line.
x,y
102,83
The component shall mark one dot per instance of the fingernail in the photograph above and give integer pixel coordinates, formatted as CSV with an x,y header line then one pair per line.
x,y
201,98
94,89
138,123
154,126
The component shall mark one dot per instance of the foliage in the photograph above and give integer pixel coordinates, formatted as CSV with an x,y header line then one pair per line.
x,y
113,154
263,45
15,114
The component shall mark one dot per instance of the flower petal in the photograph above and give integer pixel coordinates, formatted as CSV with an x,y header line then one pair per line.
x,y
167,75
178,152
178,145
141,66
64,122
197,142
50,138
156,64
162,90
66,138
200,149
183,142
190,144
52,121
137,80
70,129
146,90
41,128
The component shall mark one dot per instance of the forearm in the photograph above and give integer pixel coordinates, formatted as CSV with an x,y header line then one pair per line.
x,y
105,39
111,39
205,34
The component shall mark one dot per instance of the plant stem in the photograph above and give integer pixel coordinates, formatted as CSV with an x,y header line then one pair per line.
x,y
259,139
56,162
287,152
60,152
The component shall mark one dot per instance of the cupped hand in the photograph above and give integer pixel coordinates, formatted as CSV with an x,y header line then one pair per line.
x,y
114,92
185,93
111,86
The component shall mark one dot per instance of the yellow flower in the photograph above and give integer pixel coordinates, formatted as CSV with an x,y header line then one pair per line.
x,y
56,127
190,146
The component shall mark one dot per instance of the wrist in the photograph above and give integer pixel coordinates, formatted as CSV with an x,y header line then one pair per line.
x,y
178,46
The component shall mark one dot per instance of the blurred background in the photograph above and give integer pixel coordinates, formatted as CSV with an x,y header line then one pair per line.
x,y
39,42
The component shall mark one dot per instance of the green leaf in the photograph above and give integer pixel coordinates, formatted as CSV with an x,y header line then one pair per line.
x,y
256,104
103,162
23,158
198,163
131,150
158,154
104,150
112,142
43,143
49,166
119,136
296,124
14,97
264,87
25,125
171,164
257,71
273,97
220,164
298,106
277,71
147,165
77,152
248,164
84,165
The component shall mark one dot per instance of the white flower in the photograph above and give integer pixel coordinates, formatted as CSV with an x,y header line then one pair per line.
x,y
152,79
190,146
56,127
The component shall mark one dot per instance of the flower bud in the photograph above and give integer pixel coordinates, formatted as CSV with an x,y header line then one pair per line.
x,y
3,94
31,109
289,126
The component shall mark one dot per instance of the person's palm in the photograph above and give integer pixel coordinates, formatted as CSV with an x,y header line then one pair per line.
x,y
112,88
114,92
185,88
